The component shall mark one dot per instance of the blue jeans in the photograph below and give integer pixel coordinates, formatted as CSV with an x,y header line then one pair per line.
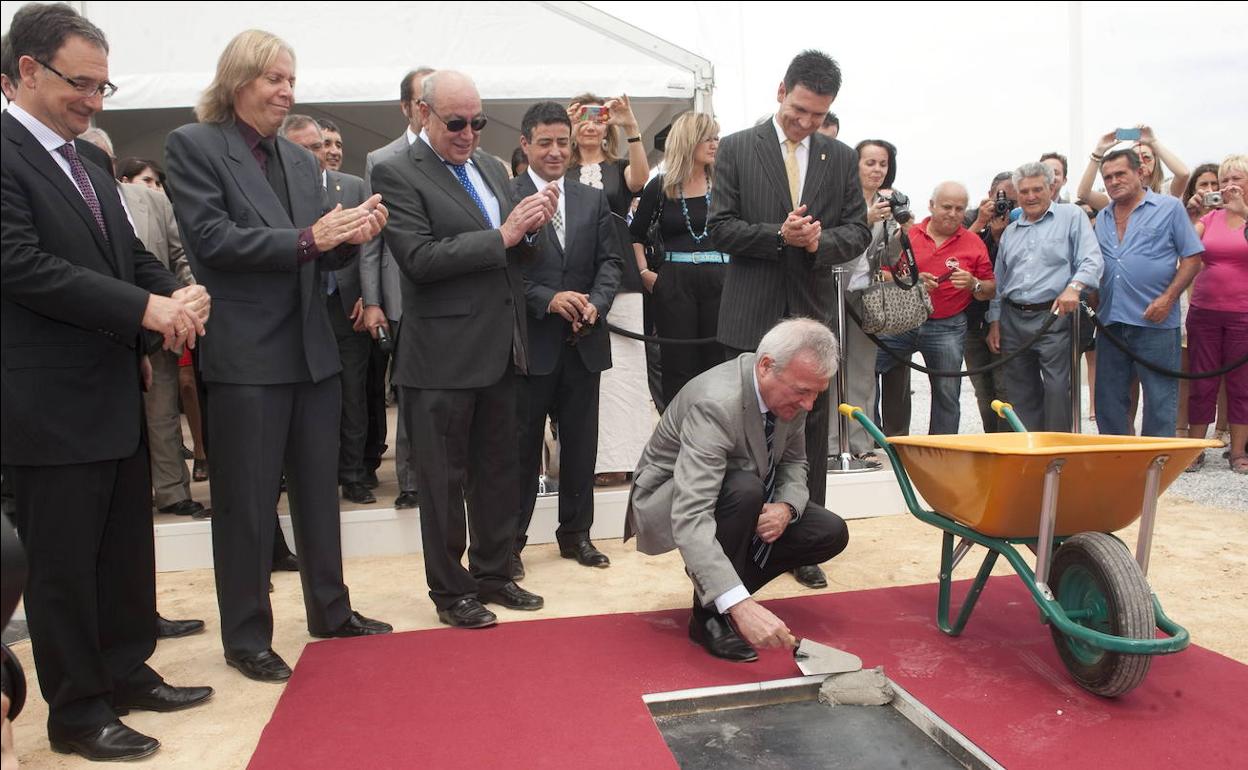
x,y
941,341
1115,370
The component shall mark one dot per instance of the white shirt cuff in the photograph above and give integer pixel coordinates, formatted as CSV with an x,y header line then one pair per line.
x,y
730,598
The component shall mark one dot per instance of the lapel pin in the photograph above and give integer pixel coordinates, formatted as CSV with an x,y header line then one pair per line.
x,y
823,156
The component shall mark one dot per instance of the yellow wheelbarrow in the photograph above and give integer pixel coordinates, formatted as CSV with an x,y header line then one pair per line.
x,y
1000,490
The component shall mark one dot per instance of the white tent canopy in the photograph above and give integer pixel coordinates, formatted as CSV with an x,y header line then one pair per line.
x,y
351,58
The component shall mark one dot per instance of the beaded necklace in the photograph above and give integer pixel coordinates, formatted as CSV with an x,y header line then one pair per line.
x,y
684,208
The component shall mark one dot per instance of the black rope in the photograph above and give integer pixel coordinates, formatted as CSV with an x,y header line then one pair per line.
x,y
950,372
661,340
1118,343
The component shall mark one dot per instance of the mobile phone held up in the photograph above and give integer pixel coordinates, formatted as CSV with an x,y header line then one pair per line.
x,y
1127,134
596,113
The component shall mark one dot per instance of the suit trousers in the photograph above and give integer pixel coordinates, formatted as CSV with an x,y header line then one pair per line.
x,y
403,468
91,589
989,386
466,451
1038,379
376,386
354,348
686,306
171,483
255,431
817,429
570,395
818,535
859,382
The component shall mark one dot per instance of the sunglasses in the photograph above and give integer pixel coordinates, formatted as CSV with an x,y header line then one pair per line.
x,y
457,124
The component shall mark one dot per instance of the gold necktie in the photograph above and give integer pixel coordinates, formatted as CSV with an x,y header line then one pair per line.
x,y
790,168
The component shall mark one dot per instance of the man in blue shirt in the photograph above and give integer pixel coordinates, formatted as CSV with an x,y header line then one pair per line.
x,y
1151,254
1047,256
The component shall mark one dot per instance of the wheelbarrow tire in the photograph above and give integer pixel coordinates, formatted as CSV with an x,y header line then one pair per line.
x,y
1095,571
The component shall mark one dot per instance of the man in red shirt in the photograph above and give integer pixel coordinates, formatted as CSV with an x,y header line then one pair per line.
x,y
954,267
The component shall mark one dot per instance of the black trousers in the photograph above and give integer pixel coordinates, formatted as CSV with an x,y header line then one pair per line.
x,y
818,427
570,395
256,431
818,535
91,590
686,306
376,385
466,451
354,349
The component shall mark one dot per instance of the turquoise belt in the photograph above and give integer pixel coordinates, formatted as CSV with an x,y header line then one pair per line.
x,y
698,257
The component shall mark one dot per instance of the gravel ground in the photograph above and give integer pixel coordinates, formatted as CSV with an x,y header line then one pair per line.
x,y
1214,485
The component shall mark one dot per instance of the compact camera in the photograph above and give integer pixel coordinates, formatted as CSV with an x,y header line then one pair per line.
x,y
1212,200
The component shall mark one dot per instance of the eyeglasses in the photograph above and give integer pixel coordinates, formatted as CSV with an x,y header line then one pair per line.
x,y
457,124
87,88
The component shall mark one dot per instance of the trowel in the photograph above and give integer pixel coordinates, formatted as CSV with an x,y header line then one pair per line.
x,y
815,659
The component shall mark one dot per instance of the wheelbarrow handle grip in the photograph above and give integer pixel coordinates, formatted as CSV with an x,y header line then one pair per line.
x,y
848,409
1000,406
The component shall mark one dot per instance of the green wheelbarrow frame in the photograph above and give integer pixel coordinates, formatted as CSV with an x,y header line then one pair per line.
x,y
1050,609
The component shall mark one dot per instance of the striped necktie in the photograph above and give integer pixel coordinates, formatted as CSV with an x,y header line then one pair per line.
x,y
759,550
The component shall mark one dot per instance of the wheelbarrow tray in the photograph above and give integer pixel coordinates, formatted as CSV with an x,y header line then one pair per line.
x,y
993,483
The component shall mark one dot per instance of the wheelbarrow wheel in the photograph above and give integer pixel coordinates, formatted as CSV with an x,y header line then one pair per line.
x,y
1097,581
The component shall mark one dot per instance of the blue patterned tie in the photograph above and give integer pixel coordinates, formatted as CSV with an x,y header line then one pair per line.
x,y
83,183
759,550
461,173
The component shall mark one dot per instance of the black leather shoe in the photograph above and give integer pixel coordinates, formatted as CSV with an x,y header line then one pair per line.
x,y
585,553
171,629
720,639
517,567
513,597
467,613
162,697
811,576
356,492
288,563
265,666
405,499
111,743
183,508
370,479
357,625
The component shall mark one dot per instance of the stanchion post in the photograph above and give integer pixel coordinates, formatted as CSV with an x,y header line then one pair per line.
x,y
843,462
1076,378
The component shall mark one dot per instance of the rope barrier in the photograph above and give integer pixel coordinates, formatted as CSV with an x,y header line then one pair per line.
x,y
1118,343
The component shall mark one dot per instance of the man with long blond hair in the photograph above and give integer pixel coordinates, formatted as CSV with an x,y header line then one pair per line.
x,y
249,205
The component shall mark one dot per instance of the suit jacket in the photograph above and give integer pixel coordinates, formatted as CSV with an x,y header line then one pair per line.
x,y
268,324
712,425
350,191
71,307
155,225
765,281
589,262
379,273
463,293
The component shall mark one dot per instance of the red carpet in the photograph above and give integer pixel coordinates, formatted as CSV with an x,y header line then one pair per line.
x,y
566,693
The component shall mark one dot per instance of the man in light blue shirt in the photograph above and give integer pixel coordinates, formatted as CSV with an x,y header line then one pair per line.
x,y
1151,254
1047,256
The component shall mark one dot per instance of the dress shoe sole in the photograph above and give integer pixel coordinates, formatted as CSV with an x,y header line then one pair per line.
x,y
573,555
65,748
822,584
121,711
518,607
181,634
255,677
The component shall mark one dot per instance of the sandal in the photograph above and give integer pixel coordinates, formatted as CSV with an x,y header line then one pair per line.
x,y
869,460
1196,464
1239,464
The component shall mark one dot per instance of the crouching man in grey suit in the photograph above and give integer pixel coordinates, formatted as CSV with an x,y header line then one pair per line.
x,y
724,480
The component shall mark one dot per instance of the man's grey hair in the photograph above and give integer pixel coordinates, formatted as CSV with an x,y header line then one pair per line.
x,y
958,186
429,86
99,137
1034,168
296,121
795,336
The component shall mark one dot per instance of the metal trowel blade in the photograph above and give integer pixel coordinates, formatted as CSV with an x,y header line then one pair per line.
x,y
815,659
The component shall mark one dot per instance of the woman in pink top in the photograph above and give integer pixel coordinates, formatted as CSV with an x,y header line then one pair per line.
x,y
1217,324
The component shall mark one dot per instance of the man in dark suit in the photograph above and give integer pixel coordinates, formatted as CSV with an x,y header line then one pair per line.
x,y
568,287
344,306
788,207
76,293
249,205
458,239
379,279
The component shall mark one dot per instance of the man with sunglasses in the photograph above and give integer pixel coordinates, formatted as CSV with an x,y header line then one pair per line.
x,y
79,289
458,238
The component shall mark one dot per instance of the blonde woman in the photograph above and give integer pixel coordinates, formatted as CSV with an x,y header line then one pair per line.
x,y
1153,156
687,283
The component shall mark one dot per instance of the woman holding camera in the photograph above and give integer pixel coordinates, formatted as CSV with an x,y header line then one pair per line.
x,y
625,414
1153,155
1217,323
687,283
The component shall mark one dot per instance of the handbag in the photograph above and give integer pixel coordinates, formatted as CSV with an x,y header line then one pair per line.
x,y
894,307
653,248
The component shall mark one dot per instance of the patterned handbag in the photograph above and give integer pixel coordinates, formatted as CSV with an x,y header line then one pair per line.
x,y
896,306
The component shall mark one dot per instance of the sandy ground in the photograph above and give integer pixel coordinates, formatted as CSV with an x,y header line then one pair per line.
x,y
1199,570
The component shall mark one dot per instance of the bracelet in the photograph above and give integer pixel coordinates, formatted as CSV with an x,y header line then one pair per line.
x,y
644,270
1097,158
634,139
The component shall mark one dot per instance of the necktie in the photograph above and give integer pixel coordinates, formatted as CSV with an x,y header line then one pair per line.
x,y
274,173
330,279
560,231
461,173
83,182
759,550
790,168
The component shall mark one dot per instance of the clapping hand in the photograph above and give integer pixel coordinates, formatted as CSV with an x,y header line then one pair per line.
x,y
356,225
